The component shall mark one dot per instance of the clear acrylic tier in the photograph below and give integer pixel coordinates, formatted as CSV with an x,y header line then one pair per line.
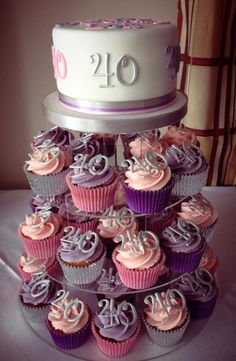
x,y
117,125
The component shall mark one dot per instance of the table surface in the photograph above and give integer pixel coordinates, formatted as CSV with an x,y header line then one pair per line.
x,y
217,339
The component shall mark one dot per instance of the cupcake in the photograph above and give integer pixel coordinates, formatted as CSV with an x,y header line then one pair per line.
x,y
147,183
201,292
179,135
199,210
107,143
131,137
36,295
120,197
28,266
110,285
38,203
158,222
166,317
139,260
41,233
209,260
81,256
189,169
143,144
116,327
126,140
183,245
56,135
115,223
47,169
69,321
72,216
92,183
85,145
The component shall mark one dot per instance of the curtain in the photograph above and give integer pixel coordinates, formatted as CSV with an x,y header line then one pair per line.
x,y
207,75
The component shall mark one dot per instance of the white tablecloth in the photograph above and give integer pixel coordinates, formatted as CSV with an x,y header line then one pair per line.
x,y
217,339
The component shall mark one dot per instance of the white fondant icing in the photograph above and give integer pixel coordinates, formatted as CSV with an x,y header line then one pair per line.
x,y
133,65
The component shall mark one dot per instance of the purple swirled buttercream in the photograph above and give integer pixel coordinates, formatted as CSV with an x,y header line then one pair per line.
x,y
83,176
89,180
117,332
33,292
57,136
72,254
197,288
187,159
185,239
88,146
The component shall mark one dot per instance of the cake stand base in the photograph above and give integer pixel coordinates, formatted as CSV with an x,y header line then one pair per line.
x,y
61,116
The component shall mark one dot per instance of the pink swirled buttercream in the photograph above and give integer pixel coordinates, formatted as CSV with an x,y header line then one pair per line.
x,y
32,265
178,136
208,260
160,320
37,227
109,228
139,179
139,146
48,160
201,216
60,323
141,258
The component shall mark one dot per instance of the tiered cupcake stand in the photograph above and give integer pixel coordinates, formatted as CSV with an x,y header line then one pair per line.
x,y
56,113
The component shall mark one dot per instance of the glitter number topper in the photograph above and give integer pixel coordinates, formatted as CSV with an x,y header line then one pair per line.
x,y
40,284
188,154
48,152
38,219
153,160
184,230
96,165
109,279
200,204
86,242
66,303
138,242
170,302
199,279
117,313
124,217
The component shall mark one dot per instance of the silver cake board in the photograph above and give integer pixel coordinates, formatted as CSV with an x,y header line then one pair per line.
x,y
55,112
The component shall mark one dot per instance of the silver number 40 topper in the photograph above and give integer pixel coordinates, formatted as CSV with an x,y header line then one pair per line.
x,y
65,303
188,154
200,204
151,162
116,313
40,283
43,213
168,303
86,242
184,229
201,278
124,217
96,165
138,242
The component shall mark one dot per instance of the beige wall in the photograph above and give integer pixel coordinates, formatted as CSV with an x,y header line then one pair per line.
x,y
26,69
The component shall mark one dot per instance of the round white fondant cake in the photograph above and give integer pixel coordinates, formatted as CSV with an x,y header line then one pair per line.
x,y
116,65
